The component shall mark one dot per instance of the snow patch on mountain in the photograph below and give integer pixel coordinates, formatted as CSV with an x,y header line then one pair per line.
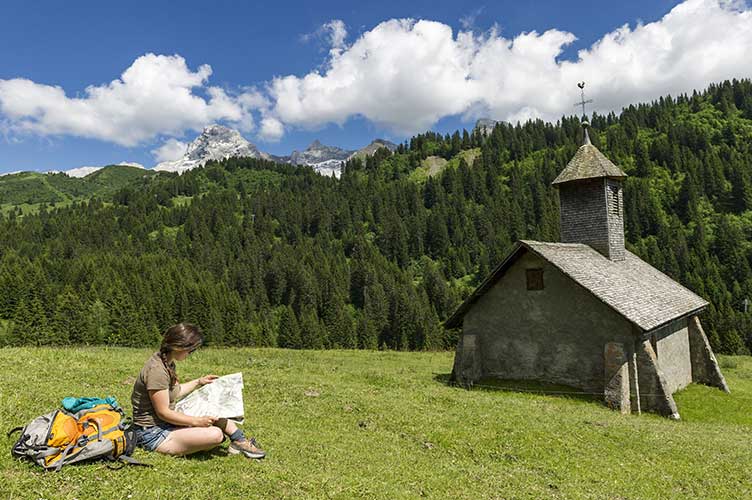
x,y
215,143
84,171
130,164
326,160
80,171
486,125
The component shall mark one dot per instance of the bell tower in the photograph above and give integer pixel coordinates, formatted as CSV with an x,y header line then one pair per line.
x,y
591,199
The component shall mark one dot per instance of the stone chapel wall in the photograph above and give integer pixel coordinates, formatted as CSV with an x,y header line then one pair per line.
x,y
555,335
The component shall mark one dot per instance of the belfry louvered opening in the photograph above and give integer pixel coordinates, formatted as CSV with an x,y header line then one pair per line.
x,y
613,200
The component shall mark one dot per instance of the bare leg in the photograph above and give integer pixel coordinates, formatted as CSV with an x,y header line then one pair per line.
x,y
190,440
230,427
227,426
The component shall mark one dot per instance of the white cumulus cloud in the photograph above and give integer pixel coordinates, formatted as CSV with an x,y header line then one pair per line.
x,y
333,33
403,75
154,96
337,33
406,74
272,129
171,149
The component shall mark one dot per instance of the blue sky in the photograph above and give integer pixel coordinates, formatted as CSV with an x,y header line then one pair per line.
x,y
410,76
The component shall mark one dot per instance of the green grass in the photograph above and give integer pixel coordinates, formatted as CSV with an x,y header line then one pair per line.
x,y
385,425
182,201
433,165
31,209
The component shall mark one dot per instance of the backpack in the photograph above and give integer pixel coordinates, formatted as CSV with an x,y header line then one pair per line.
x,y
62,437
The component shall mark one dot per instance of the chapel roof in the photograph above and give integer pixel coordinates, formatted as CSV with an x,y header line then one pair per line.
x,y
633,288
588,163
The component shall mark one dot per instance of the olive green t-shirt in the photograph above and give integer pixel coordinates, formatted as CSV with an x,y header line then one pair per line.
x,y
153,377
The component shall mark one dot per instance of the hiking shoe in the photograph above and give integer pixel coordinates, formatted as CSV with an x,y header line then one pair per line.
x,y
247,447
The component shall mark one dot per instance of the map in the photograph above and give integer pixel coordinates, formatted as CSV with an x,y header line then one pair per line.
x,y
221,398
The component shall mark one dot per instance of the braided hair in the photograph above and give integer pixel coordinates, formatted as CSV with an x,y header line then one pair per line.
x,y
184,336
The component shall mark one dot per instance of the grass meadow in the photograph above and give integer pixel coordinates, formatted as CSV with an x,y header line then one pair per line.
x,y
359,424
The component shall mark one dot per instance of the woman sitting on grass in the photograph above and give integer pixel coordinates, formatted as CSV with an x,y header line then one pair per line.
x,y
158,426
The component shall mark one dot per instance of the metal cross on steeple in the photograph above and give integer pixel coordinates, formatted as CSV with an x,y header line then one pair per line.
x,y
582,103
582,100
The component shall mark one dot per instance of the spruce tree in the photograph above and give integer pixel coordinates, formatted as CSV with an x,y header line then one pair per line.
x,y
69,320
289,330
311,333
97,323
21,325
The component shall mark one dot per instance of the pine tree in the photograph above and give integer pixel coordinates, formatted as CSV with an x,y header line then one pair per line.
x,y
310,329
289,330
20,333
97,323
39,332
69,321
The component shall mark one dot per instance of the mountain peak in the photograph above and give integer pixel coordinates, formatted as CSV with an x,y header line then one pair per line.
x,y
216,127
317,153
216,142
375,145
486,125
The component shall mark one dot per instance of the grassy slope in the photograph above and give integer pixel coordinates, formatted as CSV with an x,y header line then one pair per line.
x,y
433,165
385,426
109,179
30,189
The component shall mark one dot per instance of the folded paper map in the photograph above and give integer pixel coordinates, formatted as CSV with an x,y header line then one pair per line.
x,y
221,398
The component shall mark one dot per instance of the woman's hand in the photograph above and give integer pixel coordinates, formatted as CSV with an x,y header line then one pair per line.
x,y
207,379
203,421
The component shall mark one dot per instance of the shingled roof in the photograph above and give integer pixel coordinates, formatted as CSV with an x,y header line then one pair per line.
x,y
631,287
588,163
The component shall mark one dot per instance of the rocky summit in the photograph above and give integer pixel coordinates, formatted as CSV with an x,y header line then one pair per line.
x,y
375,145
486,125
326,160
215,143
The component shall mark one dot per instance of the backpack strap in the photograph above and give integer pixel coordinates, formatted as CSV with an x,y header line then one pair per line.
x,y
126,460
59,464
15,429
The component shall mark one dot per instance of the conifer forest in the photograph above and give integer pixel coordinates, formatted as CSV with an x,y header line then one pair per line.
x,y
266,254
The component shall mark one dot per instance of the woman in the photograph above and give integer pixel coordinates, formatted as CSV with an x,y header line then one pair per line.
x,y
158,426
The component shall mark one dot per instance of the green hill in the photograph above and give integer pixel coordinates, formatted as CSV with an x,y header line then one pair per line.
x,y
114,177
370,424
30,189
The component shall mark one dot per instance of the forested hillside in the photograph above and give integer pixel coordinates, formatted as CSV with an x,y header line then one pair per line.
x,y
259,253
27,190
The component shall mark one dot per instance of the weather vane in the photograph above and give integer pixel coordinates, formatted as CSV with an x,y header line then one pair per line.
x,y
583,102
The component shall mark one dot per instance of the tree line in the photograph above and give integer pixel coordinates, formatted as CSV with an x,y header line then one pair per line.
x,y
259,253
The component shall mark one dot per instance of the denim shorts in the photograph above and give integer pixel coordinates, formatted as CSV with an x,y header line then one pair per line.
x,y
149,438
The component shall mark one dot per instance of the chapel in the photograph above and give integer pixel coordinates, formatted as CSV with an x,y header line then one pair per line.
x,y
586,312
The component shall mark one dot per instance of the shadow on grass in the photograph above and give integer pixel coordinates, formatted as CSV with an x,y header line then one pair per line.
x,y
522,386
202,456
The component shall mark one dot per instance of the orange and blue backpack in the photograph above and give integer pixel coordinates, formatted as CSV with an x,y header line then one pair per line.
x,y
98,429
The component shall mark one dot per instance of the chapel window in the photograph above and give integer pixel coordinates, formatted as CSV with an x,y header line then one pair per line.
x,y
534,279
